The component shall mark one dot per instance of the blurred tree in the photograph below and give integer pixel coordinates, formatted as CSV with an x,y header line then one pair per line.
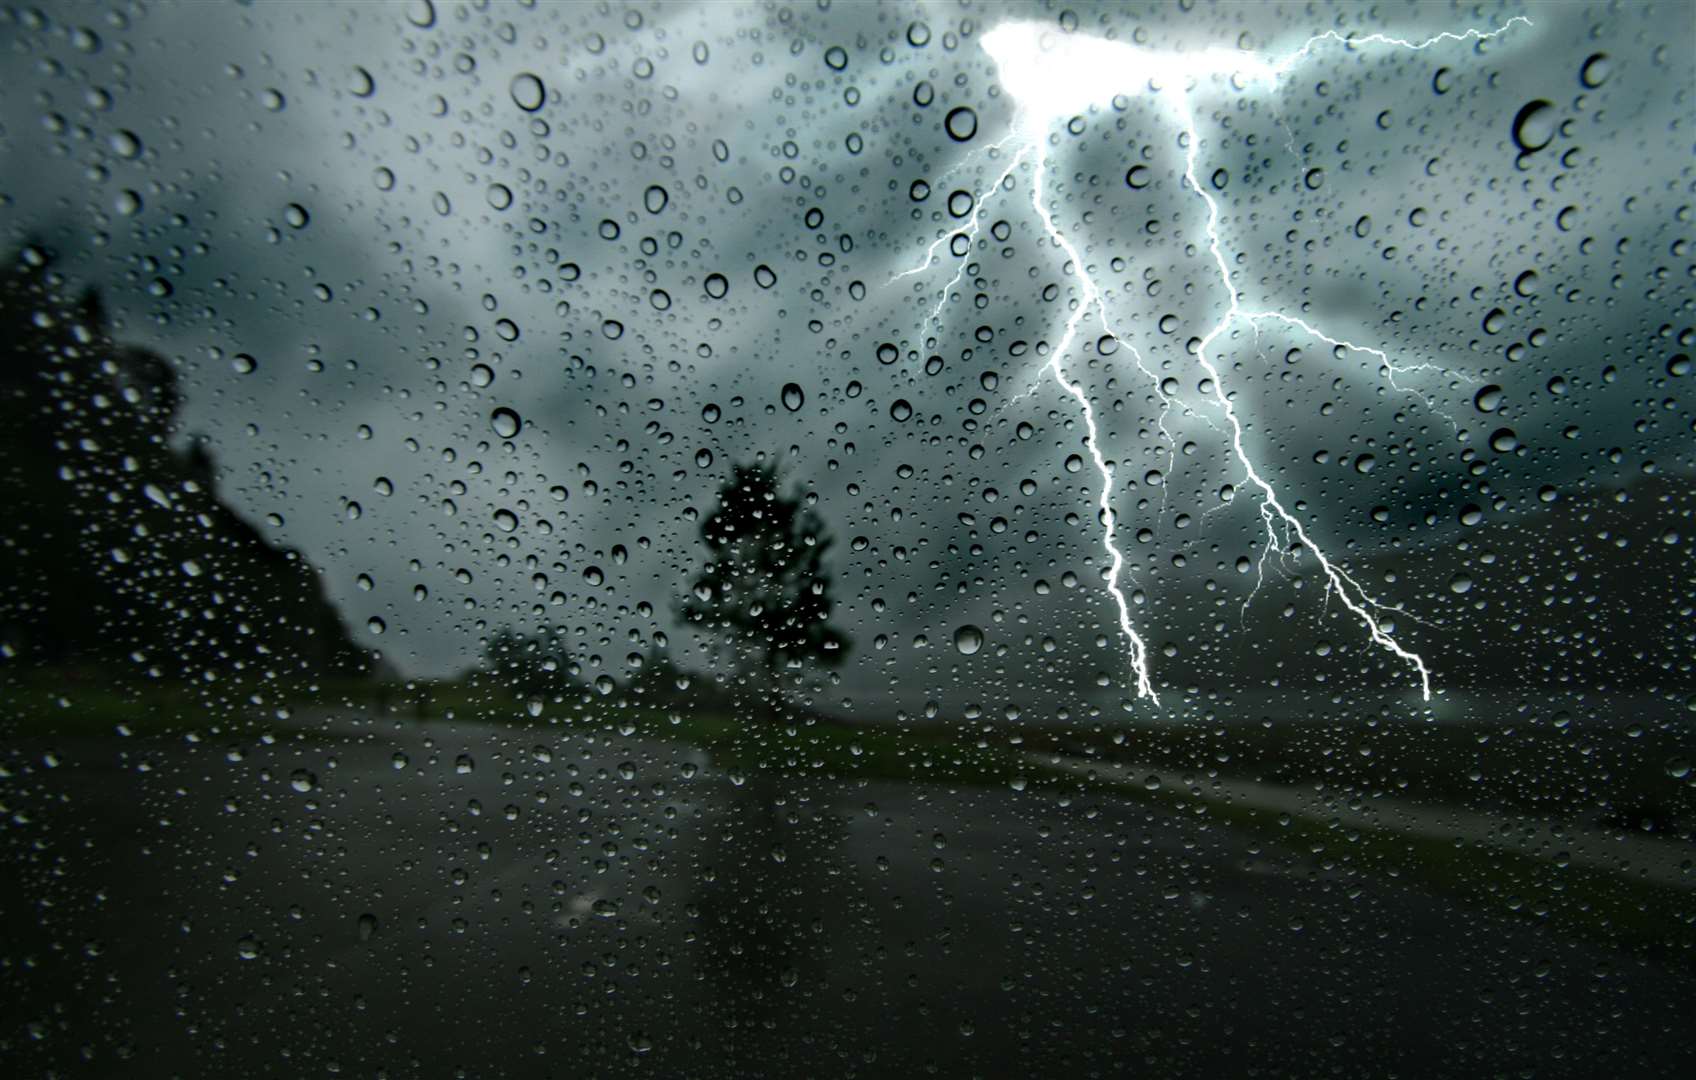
x,y
117,551
526,664
764,587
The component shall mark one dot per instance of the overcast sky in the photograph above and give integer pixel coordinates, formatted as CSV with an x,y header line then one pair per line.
x,y
632,226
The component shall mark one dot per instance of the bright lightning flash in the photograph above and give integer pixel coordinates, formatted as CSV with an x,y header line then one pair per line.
x,y
1053,76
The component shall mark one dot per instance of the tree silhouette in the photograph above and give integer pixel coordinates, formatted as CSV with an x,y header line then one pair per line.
x,y
118,550
764,587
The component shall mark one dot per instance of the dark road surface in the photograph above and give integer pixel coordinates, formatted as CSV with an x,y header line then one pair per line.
x,y
447,901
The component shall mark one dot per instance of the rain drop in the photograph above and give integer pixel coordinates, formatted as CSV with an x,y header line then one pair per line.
x,y
1595,71
962,123
1534,126
528,92
968,639
505,422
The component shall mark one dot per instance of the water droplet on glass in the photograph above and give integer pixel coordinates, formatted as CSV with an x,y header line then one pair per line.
x,y
1534,126
968,639
505,422
793,397
528,92
1595,71
961,123
421,13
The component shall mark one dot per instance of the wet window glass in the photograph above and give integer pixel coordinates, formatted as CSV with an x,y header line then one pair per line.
x,y
832,539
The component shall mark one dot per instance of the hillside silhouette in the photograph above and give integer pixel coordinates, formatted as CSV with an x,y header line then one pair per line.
x,y
117,552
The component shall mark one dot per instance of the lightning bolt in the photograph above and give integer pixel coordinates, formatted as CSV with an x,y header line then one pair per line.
x,y
1051,78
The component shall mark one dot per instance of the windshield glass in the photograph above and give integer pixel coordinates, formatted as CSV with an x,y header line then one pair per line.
x,y
843,539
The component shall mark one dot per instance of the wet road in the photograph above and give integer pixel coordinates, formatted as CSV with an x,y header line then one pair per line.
x,y
445,901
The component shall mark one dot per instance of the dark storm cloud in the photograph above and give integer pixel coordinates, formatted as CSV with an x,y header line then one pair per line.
x,y
462,252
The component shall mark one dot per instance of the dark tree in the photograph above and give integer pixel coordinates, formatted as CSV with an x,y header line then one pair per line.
x,y
764,588
527,664
114,543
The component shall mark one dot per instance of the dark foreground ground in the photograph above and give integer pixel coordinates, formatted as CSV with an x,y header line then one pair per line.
x,y
446,900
